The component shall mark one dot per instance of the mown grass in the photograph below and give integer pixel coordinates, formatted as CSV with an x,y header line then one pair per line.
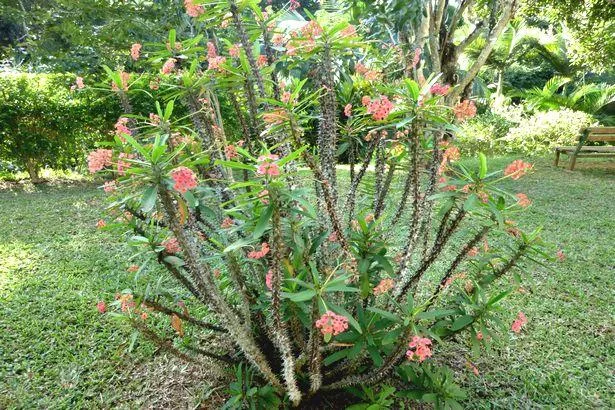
x,y
57,351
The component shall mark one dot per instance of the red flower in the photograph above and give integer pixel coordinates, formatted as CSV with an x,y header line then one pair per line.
x,y
184,178
517,169
464,110
101,306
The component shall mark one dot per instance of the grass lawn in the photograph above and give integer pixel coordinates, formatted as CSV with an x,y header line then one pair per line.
x,y
57,351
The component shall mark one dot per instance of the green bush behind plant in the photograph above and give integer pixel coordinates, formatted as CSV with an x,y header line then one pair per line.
x,y
507,131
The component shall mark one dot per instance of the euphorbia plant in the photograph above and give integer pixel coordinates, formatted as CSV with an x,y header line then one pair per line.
x,y
318,285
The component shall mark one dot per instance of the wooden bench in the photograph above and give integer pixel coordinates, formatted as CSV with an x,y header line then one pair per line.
x,y
605,134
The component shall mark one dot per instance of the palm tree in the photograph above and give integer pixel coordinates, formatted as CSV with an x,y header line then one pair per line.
x,y
558,92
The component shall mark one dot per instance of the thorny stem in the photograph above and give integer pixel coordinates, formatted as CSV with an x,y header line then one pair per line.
x,y
280,330
204,280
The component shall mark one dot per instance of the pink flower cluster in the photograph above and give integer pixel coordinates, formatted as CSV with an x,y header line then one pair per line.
x,y
439,89
230,152
99,159
261,253
184,178
384,286
421,349
171,245
79,83
135,51
275,117
109,186
332,324
278,40
168,66
193,10
261,61
122,165
380,108
266,165
523,200
451,154
369,74
234,51
349,31
227,223
101,306
286,97
348,110
519,322
121,127
154,118
517,169
464,110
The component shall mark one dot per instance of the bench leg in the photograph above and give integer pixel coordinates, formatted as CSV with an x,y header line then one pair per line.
x,y
557,157
573,160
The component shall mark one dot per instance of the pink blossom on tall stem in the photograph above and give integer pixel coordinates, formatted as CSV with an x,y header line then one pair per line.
x,y
380,108
211,50
261,61
421,349
519,322
215,63
192,9
121,127
135,51
79,83
348,110
464,110
332,324
286,97
99,159
168,66
101,306
260,253
171,245
123,165
234,50
439,89
109,186
278,40
517,169
230,152
184,178
349,31
384,286
154,118
227,223
523,200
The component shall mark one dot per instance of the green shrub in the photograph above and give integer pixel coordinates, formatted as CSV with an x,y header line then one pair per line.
x,y
44,124
543,131
484,132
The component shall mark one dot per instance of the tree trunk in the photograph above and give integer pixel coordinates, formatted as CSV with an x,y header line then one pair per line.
x,y
33,168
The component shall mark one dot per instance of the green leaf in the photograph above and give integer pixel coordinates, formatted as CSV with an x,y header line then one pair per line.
x,y
235,165
341,311
482,172
339,355
293,155
461,321
385,314
237,245
263,222
302,296
148,200
434,314
174,260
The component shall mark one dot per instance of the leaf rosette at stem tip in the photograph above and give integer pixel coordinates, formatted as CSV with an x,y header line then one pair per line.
x,y
307,278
